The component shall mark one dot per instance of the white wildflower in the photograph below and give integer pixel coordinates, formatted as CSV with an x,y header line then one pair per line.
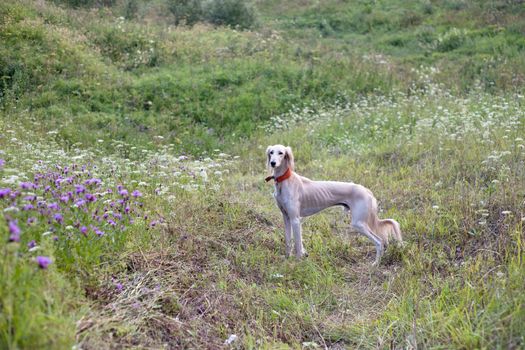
x,y
11,210
230,339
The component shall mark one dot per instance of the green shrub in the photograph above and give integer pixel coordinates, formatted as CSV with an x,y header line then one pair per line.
x,y
231,12
234,13
186,11
132,7
451,40
86,3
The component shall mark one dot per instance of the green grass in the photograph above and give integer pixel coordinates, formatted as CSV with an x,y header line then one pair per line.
x,y
422,102
69,66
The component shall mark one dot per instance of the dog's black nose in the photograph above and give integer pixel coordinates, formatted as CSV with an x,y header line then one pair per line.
x,y
272,164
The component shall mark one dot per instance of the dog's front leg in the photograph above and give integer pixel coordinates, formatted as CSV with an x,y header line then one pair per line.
x,y
287,234
297,236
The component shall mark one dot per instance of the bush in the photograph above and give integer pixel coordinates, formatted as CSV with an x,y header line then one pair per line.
x,y
451,40
132,7
231,12
234,13
87,3
186,11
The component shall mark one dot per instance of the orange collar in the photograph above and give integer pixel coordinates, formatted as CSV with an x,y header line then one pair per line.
x,y
281,178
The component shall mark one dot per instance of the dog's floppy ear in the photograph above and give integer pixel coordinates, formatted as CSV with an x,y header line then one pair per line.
x,y
268,158
289,157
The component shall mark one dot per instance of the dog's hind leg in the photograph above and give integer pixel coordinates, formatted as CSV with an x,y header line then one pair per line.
x,y
362,227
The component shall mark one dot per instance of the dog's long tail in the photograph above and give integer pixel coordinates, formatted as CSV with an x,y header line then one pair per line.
x,y
389,229
385,229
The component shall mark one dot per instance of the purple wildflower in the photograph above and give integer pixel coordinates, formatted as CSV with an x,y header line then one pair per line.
x,y
136,194
4,192
14,230
64,198
30,198
27,185
31,220
79,189
80,203
123,192
2,162
43,262
53,206
98,232
28,207
119,286
84,230
90,197
111,222
93,181
31,244
58,218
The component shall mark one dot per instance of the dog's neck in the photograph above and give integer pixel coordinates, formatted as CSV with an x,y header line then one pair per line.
x,y
280,174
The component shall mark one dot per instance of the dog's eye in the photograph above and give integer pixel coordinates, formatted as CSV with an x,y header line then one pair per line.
x,y
271,152
280,153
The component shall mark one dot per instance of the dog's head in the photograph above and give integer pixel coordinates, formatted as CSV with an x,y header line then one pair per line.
x,y
279,156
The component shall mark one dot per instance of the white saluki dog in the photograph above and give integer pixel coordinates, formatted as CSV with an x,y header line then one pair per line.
x,y
298,197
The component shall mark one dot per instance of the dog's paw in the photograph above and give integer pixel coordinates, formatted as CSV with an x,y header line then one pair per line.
x,y
303,254
376,263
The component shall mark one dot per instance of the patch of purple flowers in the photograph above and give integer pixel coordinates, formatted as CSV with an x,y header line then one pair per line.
x,y
59,206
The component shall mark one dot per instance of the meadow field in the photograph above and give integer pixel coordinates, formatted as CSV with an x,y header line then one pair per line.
x,y
135,214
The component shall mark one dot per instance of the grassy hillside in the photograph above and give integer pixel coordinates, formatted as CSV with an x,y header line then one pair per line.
x,y
135,79
135,214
